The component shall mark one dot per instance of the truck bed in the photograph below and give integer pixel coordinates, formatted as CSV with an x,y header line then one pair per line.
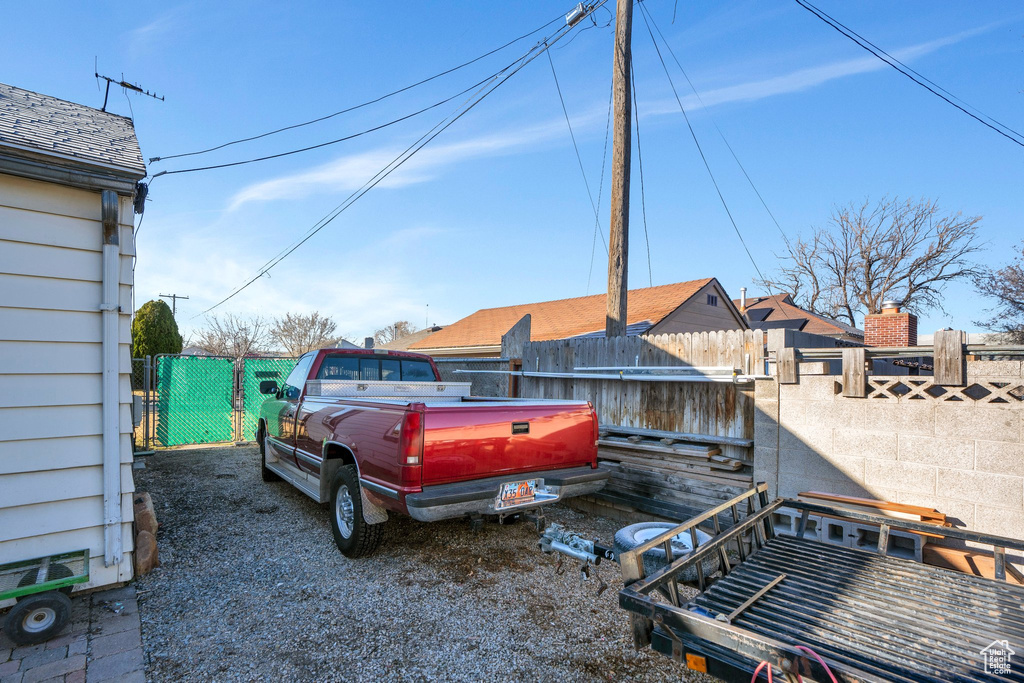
x,y
871,616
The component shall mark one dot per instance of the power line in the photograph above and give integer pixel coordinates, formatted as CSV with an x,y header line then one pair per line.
x,y
407,154
364,104
925,83
336,141
717,128
707,166
600,187
640,160
579,159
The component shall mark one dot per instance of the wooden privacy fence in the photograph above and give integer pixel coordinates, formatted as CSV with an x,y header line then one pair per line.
x,y
715,415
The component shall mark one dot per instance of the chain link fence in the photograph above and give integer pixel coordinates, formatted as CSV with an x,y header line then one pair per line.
x,y
188,400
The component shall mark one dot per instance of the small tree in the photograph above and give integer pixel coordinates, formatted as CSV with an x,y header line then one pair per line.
x,y
899,250
1006,286
390,333
233,336
154,330
297,333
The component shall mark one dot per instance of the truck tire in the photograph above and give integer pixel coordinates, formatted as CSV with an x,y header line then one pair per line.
x,y
38,617
353,536
633,535
268,475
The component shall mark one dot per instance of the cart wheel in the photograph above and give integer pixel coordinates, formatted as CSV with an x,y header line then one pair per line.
x,y
38,617
56,572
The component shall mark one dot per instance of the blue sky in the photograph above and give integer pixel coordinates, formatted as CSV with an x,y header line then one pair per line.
x,y
494,212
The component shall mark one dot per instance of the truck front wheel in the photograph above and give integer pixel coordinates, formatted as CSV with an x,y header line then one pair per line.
x,y
354,537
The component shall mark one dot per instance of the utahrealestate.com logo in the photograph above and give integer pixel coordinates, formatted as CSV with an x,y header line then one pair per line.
x,y
997,657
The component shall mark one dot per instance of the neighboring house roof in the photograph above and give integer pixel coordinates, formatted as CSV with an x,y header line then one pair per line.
x,y
408,340
562,318
779,311
72,133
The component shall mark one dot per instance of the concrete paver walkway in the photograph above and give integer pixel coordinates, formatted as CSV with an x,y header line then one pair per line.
x,y
103,642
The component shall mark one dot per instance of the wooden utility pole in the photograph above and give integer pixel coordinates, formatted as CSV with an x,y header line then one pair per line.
x,y
618,241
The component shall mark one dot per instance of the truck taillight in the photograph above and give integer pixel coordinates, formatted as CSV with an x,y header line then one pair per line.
x,y
594,422
411,443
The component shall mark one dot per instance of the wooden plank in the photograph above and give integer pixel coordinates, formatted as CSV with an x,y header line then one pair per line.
x,y
512,341
694,470
854,373
682,436
785,366
950,364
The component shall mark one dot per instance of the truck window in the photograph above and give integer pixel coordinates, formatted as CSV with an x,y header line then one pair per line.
x,y
391,370
369,369
339,367
297,377
417,371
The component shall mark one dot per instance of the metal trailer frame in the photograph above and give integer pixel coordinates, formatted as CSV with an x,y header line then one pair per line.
x,y
891,619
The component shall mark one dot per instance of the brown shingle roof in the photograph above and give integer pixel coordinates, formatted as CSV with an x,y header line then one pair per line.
x,y
54,127
408,340
562,318
782,307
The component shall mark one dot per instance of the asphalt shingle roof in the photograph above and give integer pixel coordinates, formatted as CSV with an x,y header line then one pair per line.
x,y
68,131
562,318
778,310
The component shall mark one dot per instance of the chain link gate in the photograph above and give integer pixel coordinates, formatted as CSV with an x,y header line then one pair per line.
x,y
201,399
252,371
194,400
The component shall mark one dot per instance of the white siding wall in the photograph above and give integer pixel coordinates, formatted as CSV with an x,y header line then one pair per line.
x,y
51,457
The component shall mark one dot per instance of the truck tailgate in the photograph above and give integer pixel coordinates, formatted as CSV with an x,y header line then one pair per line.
x,y
469,441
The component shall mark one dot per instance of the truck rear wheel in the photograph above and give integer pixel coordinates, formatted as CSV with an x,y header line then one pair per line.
x,y
353,536
268,475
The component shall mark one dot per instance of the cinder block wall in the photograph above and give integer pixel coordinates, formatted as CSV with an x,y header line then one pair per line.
x,y
962,457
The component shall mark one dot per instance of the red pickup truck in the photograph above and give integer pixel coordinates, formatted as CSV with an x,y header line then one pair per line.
x,y
375,431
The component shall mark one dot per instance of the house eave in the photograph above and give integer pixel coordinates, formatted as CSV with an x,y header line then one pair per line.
x,y
64,171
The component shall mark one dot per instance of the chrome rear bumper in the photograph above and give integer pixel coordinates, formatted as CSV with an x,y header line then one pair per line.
x,y
449,501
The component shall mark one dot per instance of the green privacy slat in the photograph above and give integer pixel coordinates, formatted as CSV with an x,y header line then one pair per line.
x,y
256,370
194,400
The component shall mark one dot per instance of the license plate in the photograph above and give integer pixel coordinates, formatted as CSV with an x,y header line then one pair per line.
x,y
515,493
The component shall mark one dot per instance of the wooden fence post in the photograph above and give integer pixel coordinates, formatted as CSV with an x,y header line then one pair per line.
x,y
785,363
950,364
854,373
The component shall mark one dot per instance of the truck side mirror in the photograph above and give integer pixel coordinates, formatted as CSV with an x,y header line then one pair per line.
x,y
268,386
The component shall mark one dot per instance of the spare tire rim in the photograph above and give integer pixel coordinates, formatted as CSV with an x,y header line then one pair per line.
x,y
682,541
39,619
344,511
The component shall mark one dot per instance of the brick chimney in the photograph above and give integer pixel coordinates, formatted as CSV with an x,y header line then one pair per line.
x,y
890,327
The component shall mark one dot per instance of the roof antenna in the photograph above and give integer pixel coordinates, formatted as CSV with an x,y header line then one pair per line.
x,y
124,84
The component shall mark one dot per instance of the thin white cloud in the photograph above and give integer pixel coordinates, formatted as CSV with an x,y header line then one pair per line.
x,y
804,79
350,172
146,35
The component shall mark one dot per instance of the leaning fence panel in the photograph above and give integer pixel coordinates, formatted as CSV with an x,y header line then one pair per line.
x,y
194,400
254,371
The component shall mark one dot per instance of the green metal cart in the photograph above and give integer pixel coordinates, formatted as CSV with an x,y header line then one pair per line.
x,y
41,587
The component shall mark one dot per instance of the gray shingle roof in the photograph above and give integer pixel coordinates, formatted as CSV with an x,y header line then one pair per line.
x,y
67,131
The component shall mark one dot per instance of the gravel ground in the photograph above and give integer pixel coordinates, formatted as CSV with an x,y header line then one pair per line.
x,y
251,586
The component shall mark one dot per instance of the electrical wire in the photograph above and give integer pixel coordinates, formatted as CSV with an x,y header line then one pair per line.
x,y
358,106
640,161
335,141
649,20
579,159
925,83
404,156
699,149
600,188
746,175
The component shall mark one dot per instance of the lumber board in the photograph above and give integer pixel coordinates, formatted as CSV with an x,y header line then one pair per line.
x,y
679,436
726,477
716,462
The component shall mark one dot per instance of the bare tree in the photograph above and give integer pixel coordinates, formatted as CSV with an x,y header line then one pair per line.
x,y
897,249
395,330
297,333
233,336
1006,286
